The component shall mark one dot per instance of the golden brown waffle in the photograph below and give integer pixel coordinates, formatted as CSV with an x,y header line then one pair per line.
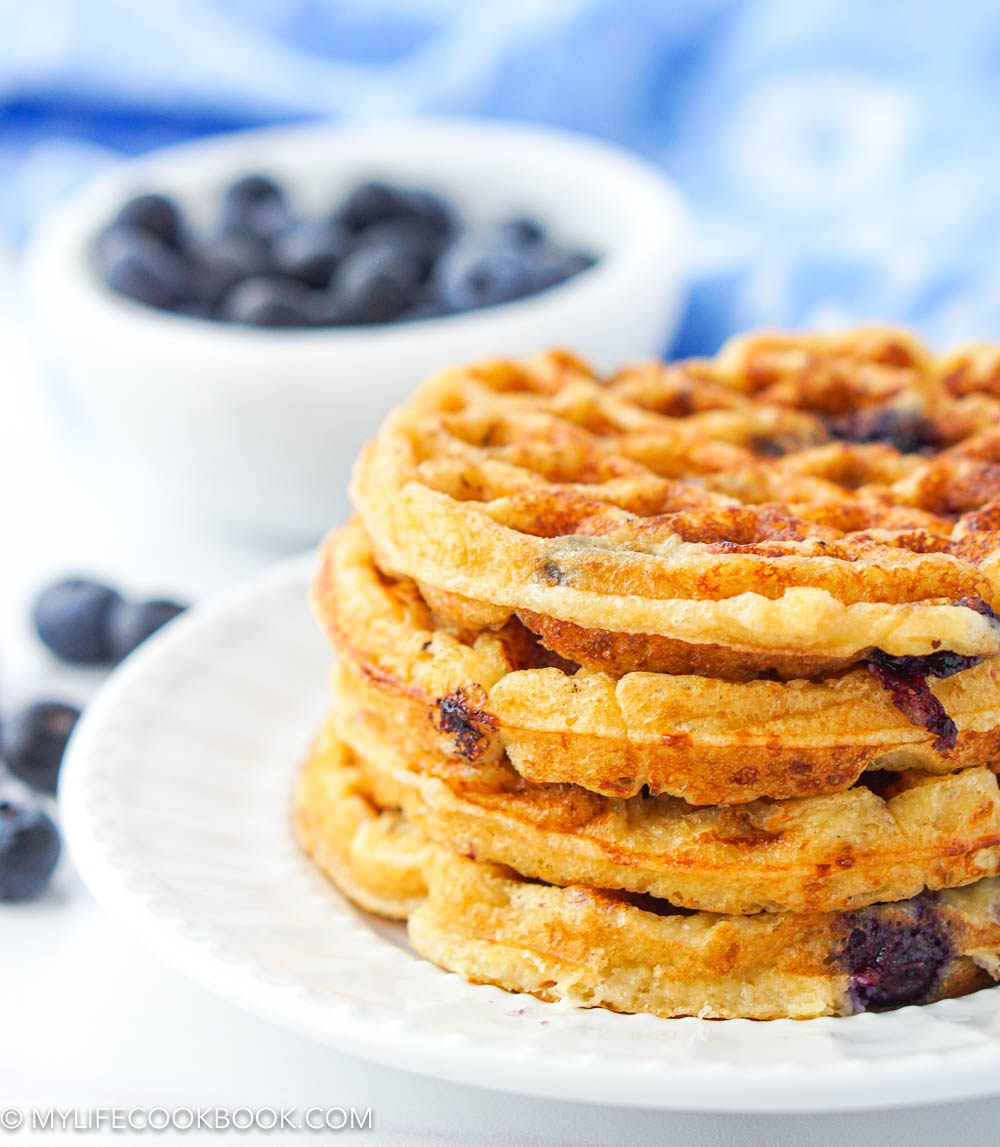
x,y
709,741
887,840
376,856
790,506
632,953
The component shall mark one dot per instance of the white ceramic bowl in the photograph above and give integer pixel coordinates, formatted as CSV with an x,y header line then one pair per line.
x,y
256,429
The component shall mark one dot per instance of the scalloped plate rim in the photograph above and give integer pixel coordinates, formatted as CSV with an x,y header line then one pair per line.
x,y
791,1084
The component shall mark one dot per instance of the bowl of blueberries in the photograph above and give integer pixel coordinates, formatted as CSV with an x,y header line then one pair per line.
x,y
223,323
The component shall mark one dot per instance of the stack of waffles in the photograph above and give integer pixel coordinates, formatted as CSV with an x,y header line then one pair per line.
x,y
677,691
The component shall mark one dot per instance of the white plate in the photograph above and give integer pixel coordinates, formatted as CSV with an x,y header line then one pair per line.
x,y
175,801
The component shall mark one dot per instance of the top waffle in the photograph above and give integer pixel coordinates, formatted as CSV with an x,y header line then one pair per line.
x,y
792,506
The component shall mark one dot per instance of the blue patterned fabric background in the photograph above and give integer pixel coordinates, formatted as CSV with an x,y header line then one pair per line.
x,y
842,157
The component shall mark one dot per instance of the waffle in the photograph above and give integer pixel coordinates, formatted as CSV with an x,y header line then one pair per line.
x,y
476,696
633,953
790,507
887,840
377,857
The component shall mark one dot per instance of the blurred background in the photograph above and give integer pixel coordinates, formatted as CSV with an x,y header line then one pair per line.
x,y
838,155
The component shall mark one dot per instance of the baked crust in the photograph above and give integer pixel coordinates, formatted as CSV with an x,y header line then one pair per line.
x,y
481,693
827,853
799,500
633,954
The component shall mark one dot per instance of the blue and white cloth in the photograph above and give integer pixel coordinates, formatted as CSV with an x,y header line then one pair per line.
x,y
842,157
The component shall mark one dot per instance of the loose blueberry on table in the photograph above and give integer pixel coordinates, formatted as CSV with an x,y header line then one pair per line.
x,y
34,741
29,849
70,617
130,623
382,254
85,623
88,623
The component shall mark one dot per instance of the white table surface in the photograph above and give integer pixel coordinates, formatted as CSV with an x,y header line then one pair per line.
x,y
89,1017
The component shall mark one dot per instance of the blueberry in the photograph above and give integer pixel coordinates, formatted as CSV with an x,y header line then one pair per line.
x,y
909,431
196,308
135,263
521,232
268,301
130,623
255,203
428,308
327,309
155,214
430,210
376,284
311,249
376,202
410,235
977,605
225,260
894,956
69,617
29,850
553,265
368,203
470,275
34,740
